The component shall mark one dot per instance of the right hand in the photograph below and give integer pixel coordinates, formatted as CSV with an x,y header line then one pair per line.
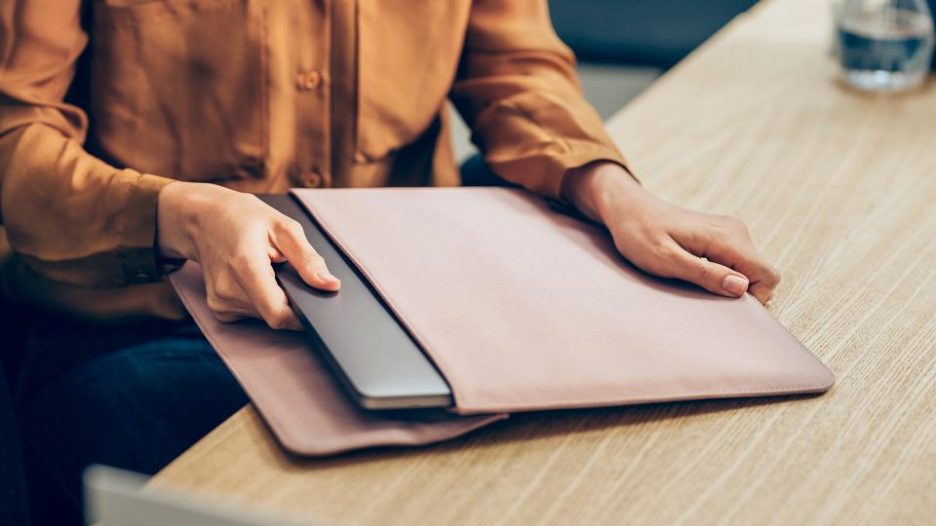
x,y
714,252
236,238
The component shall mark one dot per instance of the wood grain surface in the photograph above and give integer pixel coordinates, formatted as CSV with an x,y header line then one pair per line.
x,y
839,190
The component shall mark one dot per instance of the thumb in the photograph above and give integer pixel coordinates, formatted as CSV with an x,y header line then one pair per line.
x,y
292,243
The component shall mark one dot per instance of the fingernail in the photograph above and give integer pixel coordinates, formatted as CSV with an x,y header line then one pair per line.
x,y
735,285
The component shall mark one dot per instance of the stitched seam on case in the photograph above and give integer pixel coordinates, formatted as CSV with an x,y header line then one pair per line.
x,y
667,398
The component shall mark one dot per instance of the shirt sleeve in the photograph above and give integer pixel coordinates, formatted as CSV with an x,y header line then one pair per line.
x,y
517,89
72,217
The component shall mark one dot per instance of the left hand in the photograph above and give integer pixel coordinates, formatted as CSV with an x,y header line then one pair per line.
x,y
714,252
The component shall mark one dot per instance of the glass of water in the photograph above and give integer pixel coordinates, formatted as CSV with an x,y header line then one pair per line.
x,y
885,45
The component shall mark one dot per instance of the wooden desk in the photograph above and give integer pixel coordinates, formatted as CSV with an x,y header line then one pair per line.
x,y
839,189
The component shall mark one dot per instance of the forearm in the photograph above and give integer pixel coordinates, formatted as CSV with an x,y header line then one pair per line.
x,y
518,91
74,218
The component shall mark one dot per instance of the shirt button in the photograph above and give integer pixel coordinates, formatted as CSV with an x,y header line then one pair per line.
x,y
308,81
313,180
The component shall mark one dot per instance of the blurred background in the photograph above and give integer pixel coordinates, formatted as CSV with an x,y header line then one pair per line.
x,y
624,45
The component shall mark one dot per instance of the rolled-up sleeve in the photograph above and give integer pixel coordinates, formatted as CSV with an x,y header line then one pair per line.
x,y
517,89
71,216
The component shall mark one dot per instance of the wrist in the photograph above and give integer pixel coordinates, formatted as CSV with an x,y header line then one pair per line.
x,y
596,188
177,217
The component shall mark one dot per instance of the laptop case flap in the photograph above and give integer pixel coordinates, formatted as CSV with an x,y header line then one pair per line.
x,y
297,396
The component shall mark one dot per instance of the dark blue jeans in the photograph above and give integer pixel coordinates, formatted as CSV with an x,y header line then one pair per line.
x,y
133,397
12,483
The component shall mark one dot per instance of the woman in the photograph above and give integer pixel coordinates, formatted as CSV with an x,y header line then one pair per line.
x,y
123,158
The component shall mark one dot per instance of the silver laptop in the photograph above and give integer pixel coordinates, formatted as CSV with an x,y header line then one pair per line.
x,y
379,363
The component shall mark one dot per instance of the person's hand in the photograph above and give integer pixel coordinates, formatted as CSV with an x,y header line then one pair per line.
x,y
236,238
714,252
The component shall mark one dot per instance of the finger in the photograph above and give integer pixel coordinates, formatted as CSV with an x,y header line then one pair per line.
x,y
728,243
226,298
741,255
291,241
227,312
675,262
222,310
269,301
276,256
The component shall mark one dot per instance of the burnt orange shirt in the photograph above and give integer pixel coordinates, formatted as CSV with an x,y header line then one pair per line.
x,y
102,103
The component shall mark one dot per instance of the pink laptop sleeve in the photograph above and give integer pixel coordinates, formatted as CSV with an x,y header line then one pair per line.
x,y
520,307
523,308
